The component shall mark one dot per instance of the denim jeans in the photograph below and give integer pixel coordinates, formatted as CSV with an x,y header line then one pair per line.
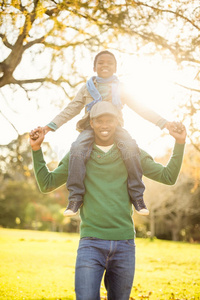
x,y
80,152
115,258
131,157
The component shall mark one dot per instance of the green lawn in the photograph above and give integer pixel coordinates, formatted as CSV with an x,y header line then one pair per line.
x,y
40,265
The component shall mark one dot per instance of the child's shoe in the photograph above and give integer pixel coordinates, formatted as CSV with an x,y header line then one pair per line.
x,y
72,208
140,207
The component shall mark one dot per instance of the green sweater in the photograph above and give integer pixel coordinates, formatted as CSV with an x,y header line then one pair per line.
x,y
107,210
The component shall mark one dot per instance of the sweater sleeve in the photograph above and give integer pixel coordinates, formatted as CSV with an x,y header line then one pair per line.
x,y
164,174
142,110
70,111
47,180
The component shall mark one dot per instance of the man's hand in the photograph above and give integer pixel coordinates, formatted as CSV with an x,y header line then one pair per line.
x,y
179,135
178,126
36,143
34,133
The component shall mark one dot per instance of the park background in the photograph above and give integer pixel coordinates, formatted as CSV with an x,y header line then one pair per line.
x,y
47,50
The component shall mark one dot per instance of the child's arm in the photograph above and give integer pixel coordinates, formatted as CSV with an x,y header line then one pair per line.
x,y
70,111
34,134
142,110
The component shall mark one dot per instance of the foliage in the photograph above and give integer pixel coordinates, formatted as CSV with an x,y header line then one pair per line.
x,y
16,159
63,32
175,210
53,26
59,30
40,265
22,205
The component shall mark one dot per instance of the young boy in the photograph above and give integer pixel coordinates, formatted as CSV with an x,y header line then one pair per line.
x,y
104,87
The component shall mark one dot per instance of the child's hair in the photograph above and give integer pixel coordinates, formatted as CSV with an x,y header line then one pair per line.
x,y
104,52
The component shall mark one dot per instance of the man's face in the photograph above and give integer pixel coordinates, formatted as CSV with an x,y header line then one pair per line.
x,y
104,129
105,66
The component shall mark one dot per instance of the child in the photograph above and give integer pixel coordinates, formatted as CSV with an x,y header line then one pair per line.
x,y
104,87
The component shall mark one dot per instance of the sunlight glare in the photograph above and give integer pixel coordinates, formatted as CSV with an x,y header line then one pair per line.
x,y
151,81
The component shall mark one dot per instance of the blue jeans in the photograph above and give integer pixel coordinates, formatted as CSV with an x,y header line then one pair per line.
x,y
115,258
80,153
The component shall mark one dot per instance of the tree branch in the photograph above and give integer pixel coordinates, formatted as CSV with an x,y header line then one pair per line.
x,y
9,122
176,13
36,41
188,88
5,41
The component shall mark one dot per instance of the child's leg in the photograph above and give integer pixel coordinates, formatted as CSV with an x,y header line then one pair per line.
x,y
131,156
79,154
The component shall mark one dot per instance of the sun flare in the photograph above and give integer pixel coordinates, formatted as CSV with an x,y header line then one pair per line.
x,y
152,83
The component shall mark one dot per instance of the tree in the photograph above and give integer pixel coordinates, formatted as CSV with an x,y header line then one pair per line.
x,y
172,28
175,210
15,196
59,30
63,32
52,27
16,160
22,205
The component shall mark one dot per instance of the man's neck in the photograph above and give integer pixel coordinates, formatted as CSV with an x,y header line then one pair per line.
x,y
105,148
101,143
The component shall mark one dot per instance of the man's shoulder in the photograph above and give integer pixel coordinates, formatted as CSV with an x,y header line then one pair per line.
x,y
144,154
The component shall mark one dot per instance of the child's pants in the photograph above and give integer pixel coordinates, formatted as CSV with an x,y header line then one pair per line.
x,y
80,153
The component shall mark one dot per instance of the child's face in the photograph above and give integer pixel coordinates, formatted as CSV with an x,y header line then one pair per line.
x,y
105,66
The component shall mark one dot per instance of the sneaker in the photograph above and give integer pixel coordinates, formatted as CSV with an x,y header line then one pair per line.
x,y
72,208
140,207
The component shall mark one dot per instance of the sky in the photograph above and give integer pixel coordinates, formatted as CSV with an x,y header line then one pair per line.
x,y
149,79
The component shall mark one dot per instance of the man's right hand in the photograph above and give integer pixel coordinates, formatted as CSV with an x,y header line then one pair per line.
x,y
36,143
34,133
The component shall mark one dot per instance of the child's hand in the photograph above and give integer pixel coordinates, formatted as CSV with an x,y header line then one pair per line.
x,y
34,134
36,142
178,131
178,127
175,126
46,129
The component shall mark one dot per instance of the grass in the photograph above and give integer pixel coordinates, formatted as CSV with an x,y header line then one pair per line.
x,y
40,265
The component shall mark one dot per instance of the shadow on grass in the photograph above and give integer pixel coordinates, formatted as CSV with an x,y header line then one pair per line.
x,y
63,298
56,298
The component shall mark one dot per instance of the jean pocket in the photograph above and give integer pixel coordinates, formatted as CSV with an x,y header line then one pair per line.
x,y
86,242
131,242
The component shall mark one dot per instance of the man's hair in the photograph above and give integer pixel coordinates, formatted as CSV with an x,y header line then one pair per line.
x,y
104,52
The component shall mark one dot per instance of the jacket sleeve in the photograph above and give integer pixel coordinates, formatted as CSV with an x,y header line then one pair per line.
x,y
47,180
71,110
145,112
164,174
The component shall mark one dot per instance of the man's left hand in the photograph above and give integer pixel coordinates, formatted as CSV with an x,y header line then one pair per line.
x,y
179,135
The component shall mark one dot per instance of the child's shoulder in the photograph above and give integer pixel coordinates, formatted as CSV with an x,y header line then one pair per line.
x,y
83,89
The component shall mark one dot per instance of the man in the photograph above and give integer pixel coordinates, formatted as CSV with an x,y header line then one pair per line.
x,y
107,229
